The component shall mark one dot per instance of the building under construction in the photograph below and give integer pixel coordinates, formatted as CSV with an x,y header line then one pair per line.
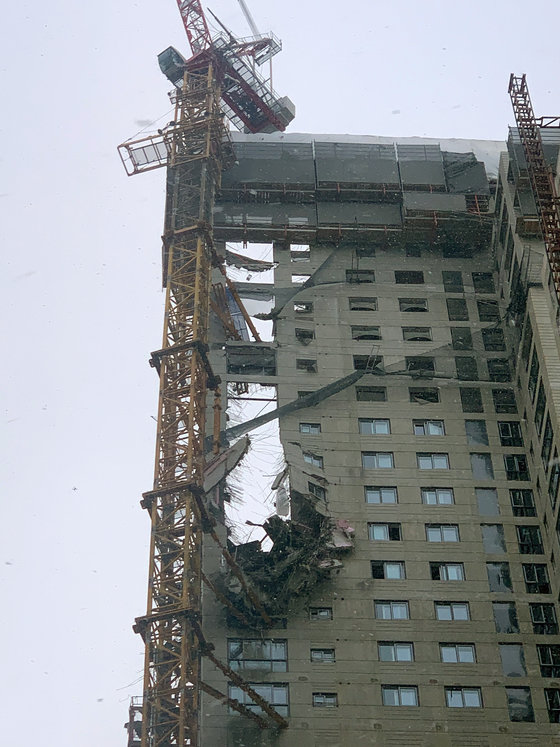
x,y
405,590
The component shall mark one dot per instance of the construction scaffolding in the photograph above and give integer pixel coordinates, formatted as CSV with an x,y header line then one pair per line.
x,y
540,175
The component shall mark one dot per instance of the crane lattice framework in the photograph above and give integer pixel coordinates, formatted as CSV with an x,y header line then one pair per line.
x,y
540,175
196,148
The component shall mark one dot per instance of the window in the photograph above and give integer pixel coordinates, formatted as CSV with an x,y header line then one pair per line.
x,y
457,653
483,282
548,438
300,253
477,435
536,578
522,502
362,303
304,364
461,338
417,334
377,460
305,336
365,251
311,429
378,531
442,533
413,304
540,407
320,613
314,459
399,695
456,611
516,467
549,660
437,496
388,569
389,610
303,307
325,700
487,499
499,577
463,697
413,251
371,394
488,311
452,281
466,368
504,400
457,310
493,339
365,333
380,495
530,540
519,702
554,480
505,617
493,538
409,277
276,694
498,369
367,362
322,655
249,654
543,618
552,697
513,659
428,428
447,571
395,651
423,394
432,461
481,465
471,399
420,365
533,375
360,276
317,490
510,433
374,426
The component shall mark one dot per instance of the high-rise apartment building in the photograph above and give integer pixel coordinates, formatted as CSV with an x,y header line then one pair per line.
x,y
411,596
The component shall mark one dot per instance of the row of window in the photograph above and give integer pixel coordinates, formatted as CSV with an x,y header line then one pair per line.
x,y
543,614
466,367
271,655
519,700
515,465
483,282
529,537
509,431
492,337
488,311
499,577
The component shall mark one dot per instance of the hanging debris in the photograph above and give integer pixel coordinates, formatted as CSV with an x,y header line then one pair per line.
x,y
304,553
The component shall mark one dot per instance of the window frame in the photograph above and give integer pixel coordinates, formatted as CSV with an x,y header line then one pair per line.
x,y
422,457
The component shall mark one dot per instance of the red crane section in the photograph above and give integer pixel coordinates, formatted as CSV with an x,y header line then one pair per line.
x,y
195,25
540,174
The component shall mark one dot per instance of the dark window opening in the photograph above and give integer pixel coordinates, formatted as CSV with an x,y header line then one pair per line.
x,y
461,338
362,303
466,368
529,540
533,375
483,282
543,618
413,304
471,399
536,578
488,311
417,334
360,276
540,407
423,395
548,438
409,277
516,467
365,333
522,502
457,310
510,433
493,339
504,401
367,362
549,660
499,369
371,394
304,364
420,365
452,281
305,336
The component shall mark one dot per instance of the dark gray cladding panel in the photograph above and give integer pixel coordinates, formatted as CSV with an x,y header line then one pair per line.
x,y
430,201
355,213
272,163
465,174
274,214
356,163
551,144
421,165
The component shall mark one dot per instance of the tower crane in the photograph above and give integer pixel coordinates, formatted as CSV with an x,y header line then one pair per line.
x,y
540,175
214,83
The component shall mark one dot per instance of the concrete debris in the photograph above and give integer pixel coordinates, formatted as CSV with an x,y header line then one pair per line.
x,y
303,554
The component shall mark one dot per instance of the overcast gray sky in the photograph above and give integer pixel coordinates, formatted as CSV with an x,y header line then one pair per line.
x,y
81,287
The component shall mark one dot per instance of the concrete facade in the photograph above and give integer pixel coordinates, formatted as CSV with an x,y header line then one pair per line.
x,y
440,626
